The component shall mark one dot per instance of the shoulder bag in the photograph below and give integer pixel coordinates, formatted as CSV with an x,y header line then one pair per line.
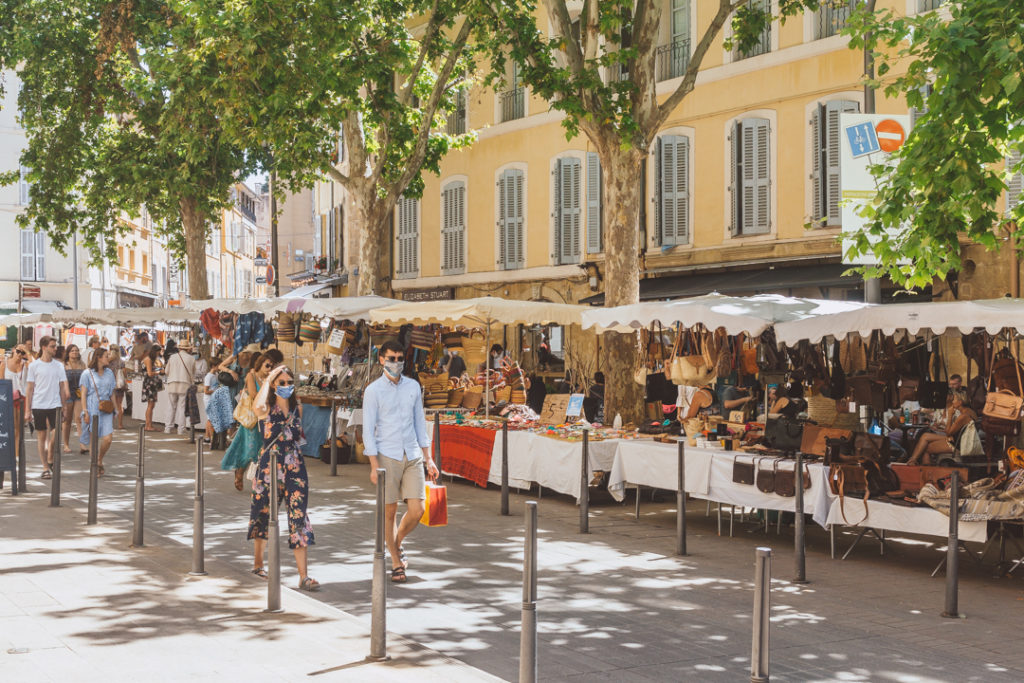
x,y
244,413
933,392
785,481
105,405
1003,404
783,434
742,472
766,478
846,480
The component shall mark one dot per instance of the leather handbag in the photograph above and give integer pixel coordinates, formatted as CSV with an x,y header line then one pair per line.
x,y
912,478
874,447
452,340
1002,403
815,438
783,434
932,393
748,358
766,478
908,388
742,472
838,450
785,481
846,480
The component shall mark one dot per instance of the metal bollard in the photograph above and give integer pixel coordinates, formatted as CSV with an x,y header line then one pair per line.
x,y
198,563
799,540
94,469
192,433
437,440
55,470
140,491
680,500
953,550
528,630
504,469
273,543
334,438
22,464
379,606
759,653
585,485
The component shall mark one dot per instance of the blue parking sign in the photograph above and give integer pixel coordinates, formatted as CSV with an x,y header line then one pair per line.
x,y
863,139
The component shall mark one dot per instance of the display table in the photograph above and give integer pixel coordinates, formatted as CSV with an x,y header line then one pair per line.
x,y
709,476
162,411
911,520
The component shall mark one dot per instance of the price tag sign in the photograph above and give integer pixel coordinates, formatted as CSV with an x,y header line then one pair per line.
x,y
575,407
554,409
337,338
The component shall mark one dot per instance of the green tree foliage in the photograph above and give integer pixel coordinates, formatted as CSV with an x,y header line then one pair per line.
x,y
380,75
113,103
964,64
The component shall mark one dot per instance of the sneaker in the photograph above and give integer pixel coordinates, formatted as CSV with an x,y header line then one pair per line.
x,y
168,430
181,431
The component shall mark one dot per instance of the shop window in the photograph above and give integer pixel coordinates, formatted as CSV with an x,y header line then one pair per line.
x,y
568,210
673,172
750,182
511,219
408,235
825,148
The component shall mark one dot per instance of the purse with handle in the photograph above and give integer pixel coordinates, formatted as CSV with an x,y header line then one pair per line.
x,y
785,481
766,478
742,472
1003,404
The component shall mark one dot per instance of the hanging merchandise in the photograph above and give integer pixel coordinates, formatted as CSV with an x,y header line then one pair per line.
x,y
452,340
933,392
210,320
337,340
309,329
422,338
227,328
286,327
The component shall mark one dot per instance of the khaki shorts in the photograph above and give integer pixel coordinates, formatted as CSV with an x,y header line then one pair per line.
x,y
405,479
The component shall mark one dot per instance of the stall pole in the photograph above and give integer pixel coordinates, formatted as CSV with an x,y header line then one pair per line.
x,y
953,549
94,470
585,485
437,442
198,561
487,373
504,469
192,434
680,499
20,421
140,491
379,606
800,550
759,653
273,543
528,630
55,452
334,437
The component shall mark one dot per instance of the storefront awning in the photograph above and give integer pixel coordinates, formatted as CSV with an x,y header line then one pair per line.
x,y
479,312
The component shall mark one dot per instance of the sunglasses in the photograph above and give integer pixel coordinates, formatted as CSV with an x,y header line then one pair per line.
x,y
394,358
285,383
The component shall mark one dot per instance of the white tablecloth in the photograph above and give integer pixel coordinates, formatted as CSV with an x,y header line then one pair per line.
x,y
162,411
882,515
709,476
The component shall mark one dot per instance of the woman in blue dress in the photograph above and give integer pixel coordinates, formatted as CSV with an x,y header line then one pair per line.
x,y
245,447
281,420
98,384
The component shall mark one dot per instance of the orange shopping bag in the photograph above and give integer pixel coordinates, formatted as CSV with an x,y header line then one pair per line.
x,y
435,505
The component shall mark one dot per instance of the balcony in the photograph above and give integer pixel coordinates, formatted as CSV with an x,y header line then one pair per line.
x,y
513,104
246,211
831,18
456,122
670,61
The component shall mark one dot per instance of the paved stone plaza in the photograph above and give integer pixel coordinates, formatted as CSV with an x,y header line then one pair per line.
x,y
613,605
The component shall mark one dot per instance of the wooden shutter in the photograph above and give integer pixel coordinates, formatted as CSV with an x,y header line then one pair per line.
x,y
408,237
568,210
817,163
518,238
594,219
28,255
41,255
735,171
453,228
24,193
832,144
511,238
502,219
1015,183
674,162
755,205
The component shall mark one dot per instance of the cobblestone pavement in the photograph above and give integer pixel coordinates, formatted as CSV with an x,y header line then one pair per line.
x,y
614,604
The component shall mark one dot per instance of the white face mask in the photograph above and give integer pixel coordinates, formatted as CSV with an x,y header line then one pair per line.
x,y
393,367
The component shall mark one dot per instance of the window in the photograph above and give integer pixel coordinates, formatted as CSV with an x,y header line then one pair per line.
x,y
145,264
831,17
1015,183
917,112
513,100
408,233
673,173
33,256
453,228
672,59
567,210
511,228
457,118
317,227
595,222
24,186
926,5
764,45
750,183
825,179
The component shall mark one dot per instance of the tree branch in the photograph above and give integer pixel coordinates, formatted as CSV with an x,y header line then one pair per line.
x,y
589,33
433,26
559,15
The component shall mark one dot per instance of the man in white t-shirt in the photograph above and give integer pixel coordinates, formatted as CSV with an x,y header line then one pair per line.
x,y
46,391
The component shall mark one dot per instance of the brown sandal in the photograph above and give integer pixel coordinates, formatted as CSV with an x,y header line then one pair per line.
x,y
240,478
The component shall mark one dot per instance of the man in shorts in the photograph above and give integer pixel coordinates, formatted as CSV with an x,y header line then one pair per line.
x,y
395,438
47,390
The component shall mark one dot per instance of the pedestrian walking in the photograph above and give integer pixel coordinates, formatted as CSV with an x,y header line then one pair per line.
x,y
116,365
245,447
98,386
94,343
281,419
74,366
395,438
210,384
47,389
151,384
180,367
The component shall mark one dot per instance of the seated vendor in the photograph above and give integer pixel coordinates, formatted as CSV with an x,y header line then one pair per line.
x,y
736,398
788,401
705,401
938,441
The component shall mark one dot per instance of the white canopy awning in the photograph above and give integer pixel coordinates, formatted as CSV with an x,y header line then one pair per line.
x,y
246,305
937,316
126,316
24,319
752,315
480,312
342,307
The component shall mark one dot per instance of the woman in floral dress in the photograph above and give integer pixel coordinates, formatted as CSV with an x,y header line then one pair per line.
x,y
281,420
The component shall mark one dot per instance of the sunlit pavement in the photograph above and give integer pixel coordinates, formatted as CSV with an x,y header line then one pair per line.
x,y
613,605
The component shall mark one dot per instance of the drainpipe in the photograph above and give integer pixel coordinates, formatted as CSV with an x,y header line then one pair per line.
x,y
873,285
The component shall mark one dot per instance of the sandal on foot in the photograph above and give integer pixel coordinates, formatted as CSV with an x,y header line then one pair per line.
x,y
398,575
47,474
100,471
260,572
239,478
309,584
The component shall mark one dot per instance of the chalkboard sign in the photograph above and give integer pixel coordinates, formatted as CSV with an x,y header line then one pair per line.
x,y
553,412
7,442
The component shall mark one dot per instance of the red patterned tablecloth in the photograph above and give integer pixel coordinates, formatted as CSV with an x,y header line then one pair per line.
x,y
467,451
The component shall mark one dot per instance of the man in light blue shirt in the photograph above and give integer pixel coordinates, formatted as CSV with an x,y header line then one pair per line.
x,y
395,439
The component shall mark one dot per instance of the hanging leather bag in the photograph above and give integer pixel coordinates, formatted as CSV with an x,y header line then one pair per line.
x,y
785,481
933,392
742,472
1003,404
846,480
766,477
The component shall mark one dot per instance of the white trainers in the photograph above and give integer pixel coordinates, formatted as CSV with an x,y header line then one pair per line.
x,y
182,430
168,430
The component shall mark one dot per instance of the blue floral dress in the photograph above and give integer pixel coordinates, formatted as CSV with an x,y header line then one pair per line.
x,y
283,434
